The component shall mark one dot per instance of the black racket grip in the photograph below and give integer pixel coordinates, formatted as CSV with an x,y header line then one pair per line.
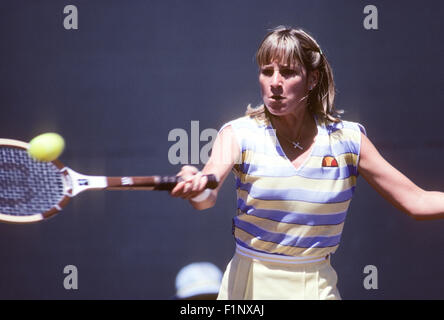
x,y
168,183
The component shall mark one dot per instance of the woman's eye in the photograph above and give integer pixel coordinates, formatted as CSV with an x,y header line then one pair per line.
x,y
267,72
288,72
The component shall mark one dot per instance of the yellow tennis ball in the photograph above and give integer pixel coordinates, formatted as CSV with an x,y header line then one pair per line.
x,y
46,147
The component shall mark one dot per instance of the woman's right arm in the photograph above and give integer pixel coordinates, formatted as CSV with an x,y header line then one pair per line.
x,y
224,155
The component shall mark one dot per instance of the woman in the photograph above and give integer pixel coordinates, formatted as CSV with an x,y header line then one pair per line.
x,y
296,164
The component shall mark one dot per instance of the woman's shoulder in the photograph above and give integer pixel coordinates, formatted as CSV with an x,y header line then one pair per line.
x,y
344,126
246,122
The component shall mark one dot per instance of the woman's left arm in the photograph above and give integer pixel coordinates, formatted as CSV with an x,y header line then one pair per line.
x,y
396,188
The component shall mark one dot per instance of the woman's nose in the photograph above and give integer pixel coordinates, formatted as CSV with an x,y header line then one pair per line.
x,y
276,79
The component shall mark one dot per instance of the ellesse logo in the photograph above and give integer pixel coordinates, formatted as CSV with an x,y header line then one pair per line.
x,y
329,161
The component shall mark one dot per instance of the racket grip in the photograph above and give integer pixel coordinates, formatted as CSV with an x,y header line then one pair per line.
x,y
169,182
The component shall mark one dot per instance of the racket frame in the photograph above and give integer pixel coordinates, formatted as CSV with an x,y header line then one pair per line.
x,y
11,143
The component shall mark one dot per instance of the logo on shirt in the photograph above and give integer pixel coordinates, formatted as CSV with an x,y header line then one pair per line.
x,y
329,161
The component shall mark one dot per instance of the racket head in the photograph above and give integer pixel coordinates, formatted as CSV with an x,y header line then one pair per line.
x,y
30,190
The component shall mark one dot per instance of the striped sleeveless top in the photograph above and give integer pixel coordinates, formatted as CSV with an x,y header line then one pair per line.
x,y
287,211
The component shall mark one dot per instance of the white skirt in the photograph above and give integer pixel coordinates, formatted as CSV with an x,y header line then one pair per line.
x,y
252,278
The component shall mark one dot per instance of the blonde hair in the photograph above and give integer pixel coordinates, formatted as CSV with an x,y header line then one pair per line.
x,y
291,46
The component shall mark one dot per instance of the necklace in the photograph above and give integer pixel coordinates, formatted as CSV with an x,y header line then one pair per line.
x,y
296,144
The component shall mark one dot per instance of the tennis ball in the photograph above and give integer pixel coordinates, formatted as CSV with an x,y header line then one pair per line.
x,y
46,147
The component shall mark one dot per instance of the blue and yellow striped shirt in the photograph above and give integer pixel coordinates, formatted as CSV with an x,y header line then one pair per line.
x,y
288,211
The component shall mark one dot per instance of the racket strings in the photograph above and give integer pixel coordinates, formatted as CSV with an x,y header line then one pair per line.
x,y
27,186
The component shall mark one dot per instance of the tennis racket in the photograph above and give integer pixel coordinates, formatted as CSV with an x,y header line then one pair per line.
x,y
32,191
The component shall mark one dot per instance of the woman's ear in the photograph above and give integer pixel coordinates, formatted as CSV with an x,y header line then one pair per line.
x,y
313,78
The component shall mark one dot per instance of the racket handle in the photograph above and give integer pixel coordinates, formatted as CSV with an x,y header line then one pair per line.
x,y
169,182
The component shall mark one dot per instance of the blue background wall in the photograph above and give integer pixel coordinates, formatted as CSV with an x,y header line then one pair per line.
x,y
135,70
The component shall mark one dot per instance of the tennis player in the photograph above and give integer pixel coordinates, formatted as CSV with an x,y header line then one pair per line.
x,y
296,164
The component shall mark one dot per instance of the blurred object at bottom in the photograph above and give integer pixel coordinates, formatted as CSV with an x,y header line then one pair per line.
x,y
198,281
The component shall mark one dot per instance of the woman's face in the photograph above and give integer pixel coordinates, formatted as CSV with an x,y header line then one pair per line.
x,y
284,88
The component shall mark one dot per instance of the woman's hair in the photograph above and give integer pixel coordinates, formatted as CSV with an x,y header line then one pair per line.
x,y
295,46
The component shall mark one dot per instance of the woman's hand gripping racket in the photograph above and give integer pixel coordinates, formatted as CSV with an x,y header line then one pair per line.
x,y
31,191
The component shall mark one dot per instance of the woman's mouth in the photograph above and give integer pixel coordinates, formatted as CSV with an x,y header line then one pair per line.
x,y
277,97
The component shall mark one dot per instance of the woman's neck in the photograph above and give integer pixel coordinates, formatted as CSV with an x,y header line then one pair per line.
x,y
292,125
